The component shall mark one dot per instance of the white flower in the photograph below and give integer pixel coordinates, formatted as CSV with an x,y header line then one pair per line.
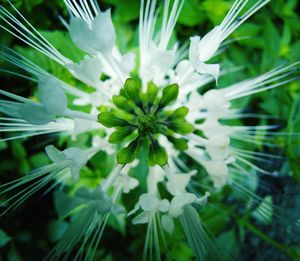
x,y
77,157
149,204
217,146
197,60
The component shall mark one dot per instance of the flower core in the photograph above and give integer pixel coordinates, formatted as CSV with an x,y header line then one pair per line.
x,y
141,118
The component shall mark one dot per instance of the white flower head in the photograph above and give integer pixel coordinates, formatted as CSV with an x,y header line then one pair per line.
x,y
127,110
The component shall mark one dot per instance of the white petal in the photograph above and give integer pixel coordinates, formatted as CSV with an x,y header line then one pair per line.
x,y
134,210
99,36
209,44
194,50
179,202
212,127
177,183
128,62
211,69
164,205
54,154
88,70
82,34
203,200
218,171
149,202
104,31
218,146
142,218
52,96
35,113
82,126
79,158
155,176
216,102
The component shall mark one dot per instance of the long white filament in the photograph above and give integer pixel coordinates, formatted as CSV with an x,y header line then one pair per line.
x,y
23,63
278,76
29,35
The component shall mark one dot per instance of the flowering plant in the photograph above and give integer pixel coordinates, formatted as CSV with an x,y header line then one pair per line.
x,y
148,109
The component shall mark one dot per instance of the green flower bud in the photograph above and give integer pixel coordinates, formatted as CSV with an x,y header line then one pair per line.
x,y
157,154
109,120
120,134
182,127
122,103
179,143
169,95
178,114
128,154
132,91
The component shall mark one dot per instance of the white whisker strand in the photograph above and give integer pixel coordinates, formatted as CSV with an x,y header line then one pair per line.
x,y
18,75
170,22
41,178
284,218
12,119
253,166
14,96
31,134
32,38
251,139
264,82
23,63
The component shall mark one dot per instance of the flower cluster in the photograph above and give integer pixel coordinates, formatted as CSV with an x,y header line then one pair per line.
x,y
161,110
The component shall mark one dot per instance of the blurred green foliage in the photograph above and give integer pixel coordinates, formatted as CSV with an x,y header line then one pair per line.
x,y
271,37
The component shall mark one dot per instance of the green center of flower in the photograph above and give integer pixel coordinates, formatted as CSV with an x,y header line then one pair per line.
x,y
147,124
141,117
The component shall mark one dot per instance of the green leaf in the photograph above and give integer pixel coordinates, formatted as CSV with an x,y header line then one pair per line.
x,y
13,254
120,134
157,155
3,145
169,95
56,229
271,44
108,119
181,127
189,15
228,241
128,154
127,11
38,160
18,150
4,238
29,4
62,41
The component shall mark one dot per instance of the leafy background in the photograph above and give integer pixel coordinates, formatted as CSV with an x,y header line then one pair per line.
x,y
269,38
